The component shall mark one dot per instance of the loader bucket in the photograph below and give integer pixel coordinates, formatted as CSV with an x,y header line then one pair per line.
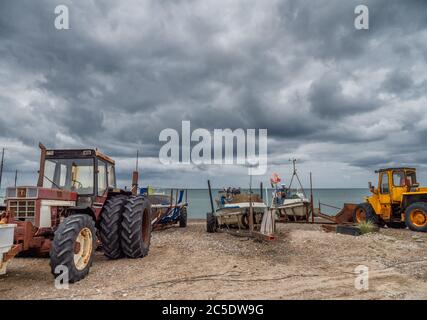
x,y
345,215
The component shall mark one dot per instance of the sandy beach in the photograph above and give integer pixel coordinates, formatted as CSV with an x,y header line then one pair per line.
x,y
303,263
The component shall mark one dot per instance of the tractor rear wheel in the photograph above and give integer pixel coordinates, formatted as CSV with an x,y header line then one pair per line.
x,y
183,218
416,216
211,225
364,213
73,247
111,225
136,227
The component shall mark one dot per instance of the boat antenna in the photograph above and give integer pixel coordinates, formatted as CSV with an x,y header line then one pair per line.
x,y
137,159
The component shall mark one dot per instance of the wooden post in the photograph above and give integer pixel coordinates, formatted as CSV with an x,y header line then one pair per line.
x,y
251,211
261,191
311,198
210,196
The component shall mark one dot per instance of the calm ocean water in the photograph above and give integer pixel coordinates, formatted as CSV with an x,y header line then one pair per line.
x,y
199,203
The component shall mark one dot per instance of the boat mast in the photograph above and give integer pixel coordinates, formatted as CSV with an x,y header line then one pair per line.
x,y
295,175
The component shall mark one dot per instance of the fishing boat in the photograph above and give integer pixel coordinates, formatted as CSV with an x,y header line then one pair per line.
x,y
234,205
289,204
233,210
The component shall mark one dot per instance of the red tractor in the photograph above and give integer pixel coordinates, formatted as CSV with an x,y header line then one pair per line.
x,y
74,208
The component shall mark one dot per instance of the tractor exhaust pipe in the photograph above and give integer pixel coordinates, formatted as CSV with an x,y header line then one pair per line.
x,y
42,161
135,176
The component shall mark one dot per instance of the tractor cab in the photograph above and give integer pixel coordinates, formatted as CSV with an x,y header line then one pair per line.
x,y
86,172
68,179
393,183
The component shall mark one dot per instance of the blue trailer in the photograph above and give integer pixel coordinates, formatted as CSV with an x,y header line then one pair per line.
x,y
167,209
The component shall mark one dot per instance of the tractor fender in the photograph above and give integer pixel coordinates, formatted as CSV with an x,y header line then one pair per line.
x,y
82,210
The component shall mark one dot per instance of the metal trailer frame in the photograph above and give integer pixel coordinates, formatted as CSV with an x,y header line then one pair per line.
x,y
167,214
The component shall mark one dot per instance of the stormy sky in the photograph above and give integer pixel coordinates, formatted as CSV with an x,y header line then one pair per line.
x,y
342,101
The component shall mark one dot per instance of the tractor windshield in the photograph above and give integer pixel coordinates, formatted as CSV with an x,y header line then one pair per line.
x,y
70,174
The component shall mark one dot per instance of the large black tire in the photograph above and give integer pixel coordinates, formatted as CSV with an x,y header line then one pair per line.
x,y
183,218
66,243
366,210
136,227
416,217
111,226
211,224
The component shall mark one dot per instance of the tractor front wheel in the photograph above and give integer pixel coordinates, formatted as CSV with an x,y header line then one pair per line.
x,y
73,247
363,213
136,227
416,217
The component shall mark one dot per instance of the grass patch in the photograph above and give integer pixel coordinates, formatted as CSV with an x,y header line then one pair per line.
x,y
366,227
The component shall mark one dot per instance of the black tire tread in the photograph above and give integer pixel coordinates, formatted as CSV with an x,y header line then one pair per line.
x,y
110,226
211,224
62,248
131,233
183,218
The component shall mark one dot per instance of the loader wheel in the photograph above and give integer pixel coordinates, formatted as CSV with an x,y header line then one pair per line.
x,y
111,225
416,217
211,225
136,227
73,247
365,212
183,218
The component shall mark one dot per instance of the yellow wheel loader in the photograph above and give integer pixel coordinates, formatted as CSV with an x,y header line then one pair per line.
x,y
397,202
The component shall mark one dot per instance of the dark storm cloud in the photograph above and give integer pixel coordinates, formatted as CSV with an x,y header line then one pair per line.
x,y
328,101
127,70
398,82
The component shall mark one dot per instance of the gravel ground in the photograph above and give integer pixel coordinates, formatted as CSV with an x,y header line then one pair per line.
x,y
303,263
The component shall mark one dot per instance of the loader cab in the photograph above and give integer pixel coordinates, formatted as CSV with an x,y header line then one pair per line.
x,y
394,182
88,173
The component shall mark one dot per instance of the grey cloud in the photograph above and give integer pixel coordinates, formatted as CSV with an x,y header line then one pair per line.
x,y
328,101
127,70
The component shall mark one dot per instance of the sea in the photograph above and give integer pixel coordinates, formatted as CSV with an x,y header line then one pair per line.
x,y
330,199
